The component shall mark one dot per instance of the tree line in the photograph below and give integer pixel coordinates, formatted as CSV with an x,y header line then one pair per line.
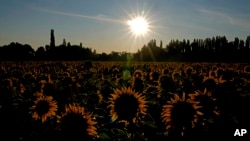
x,y
215,49
199,50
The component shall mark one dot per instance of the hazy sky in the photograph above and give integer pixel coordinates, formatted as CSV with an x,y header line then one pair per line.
x,y
102,24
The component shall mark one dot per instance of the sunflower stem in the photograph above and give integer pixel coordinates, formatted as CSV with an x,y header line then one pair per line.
x,y
132,136
132,130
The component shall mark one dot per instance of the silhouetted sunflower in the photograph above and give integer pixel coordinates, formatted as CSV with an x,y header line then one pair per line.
x,y
176,73
166,83
126,104
138,73
246,69
188,71
176,76
207,101
44,107
115,72
154,76
137,84
180,113
165,71
76,124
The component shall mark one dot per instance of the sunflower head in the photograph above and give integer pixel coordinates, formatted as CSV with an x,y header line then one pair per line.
x,y
115,71
154,76
180,113
176,75
188,71
246,69
166,82
44,108
165,71
126,104
219,72
76,124
207,101
137,84
209,83
138,73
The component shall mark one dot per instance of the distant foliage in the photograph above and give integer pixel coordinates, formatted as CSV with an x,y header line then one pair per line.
x,y
215,49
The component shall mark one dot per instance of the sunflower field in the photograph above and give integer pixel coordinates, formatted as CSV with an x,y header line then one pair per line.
x,y
122,101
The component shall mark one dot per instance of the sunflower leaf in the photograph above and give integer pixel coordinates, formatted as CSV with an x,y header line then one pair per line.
x,y
104,136
148,123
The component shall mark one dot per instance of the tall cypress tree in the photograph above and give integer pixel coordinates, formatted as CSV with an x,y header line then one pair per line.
x,y
52,39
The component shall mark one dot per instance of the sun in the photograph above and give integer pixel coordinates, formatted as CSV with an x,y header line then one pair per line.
x,y
138,25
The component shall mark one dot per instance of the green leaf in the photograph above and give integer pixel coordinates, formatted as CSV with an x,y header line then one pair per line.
x,y
148,123
104,136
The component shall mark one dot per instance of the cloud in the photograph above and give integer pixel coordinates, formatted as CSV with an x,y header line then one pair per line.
x,y
100,17
234,19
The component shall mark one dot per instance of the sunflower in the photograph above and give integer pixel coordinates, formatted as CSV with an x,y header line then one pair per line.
x,y
165,71
180,113
176,75
154,76
207,101
166,82
76,124
137,80
189,71
44,107
126,104
138,73
246,69
115,71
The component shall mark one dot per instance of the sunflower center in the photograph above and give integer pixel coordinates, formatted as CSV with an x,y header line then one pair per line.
x,y
182,113
42,107
126,107
247,69
138,84
207,103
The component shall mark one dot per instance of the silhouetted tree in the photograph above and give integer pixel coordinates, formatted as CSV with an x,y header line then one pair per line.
x,y
40,53
213,49
161,44
52,39
64,42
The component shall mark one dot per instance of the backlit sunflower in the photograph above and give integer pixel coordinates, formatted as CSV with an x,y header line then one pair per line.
x,y
138,73
126,104
176,76
246,69
137,84
44,108
76,124
180,113
207,101
189,71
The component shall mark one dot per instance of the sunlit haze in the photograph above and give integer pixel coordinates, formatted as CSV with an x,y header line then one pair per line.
x,y
120,25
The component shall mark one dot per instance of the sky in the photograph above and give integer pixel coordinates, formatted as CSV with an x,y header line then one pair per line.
x,y
102,24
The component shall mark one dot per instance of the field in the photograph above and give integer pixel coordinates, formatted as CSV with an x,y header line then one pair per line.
x,y
43,101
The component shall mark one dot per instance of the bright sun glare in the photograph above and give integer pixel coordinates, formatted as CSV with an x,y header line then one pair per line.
x,y
138,26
